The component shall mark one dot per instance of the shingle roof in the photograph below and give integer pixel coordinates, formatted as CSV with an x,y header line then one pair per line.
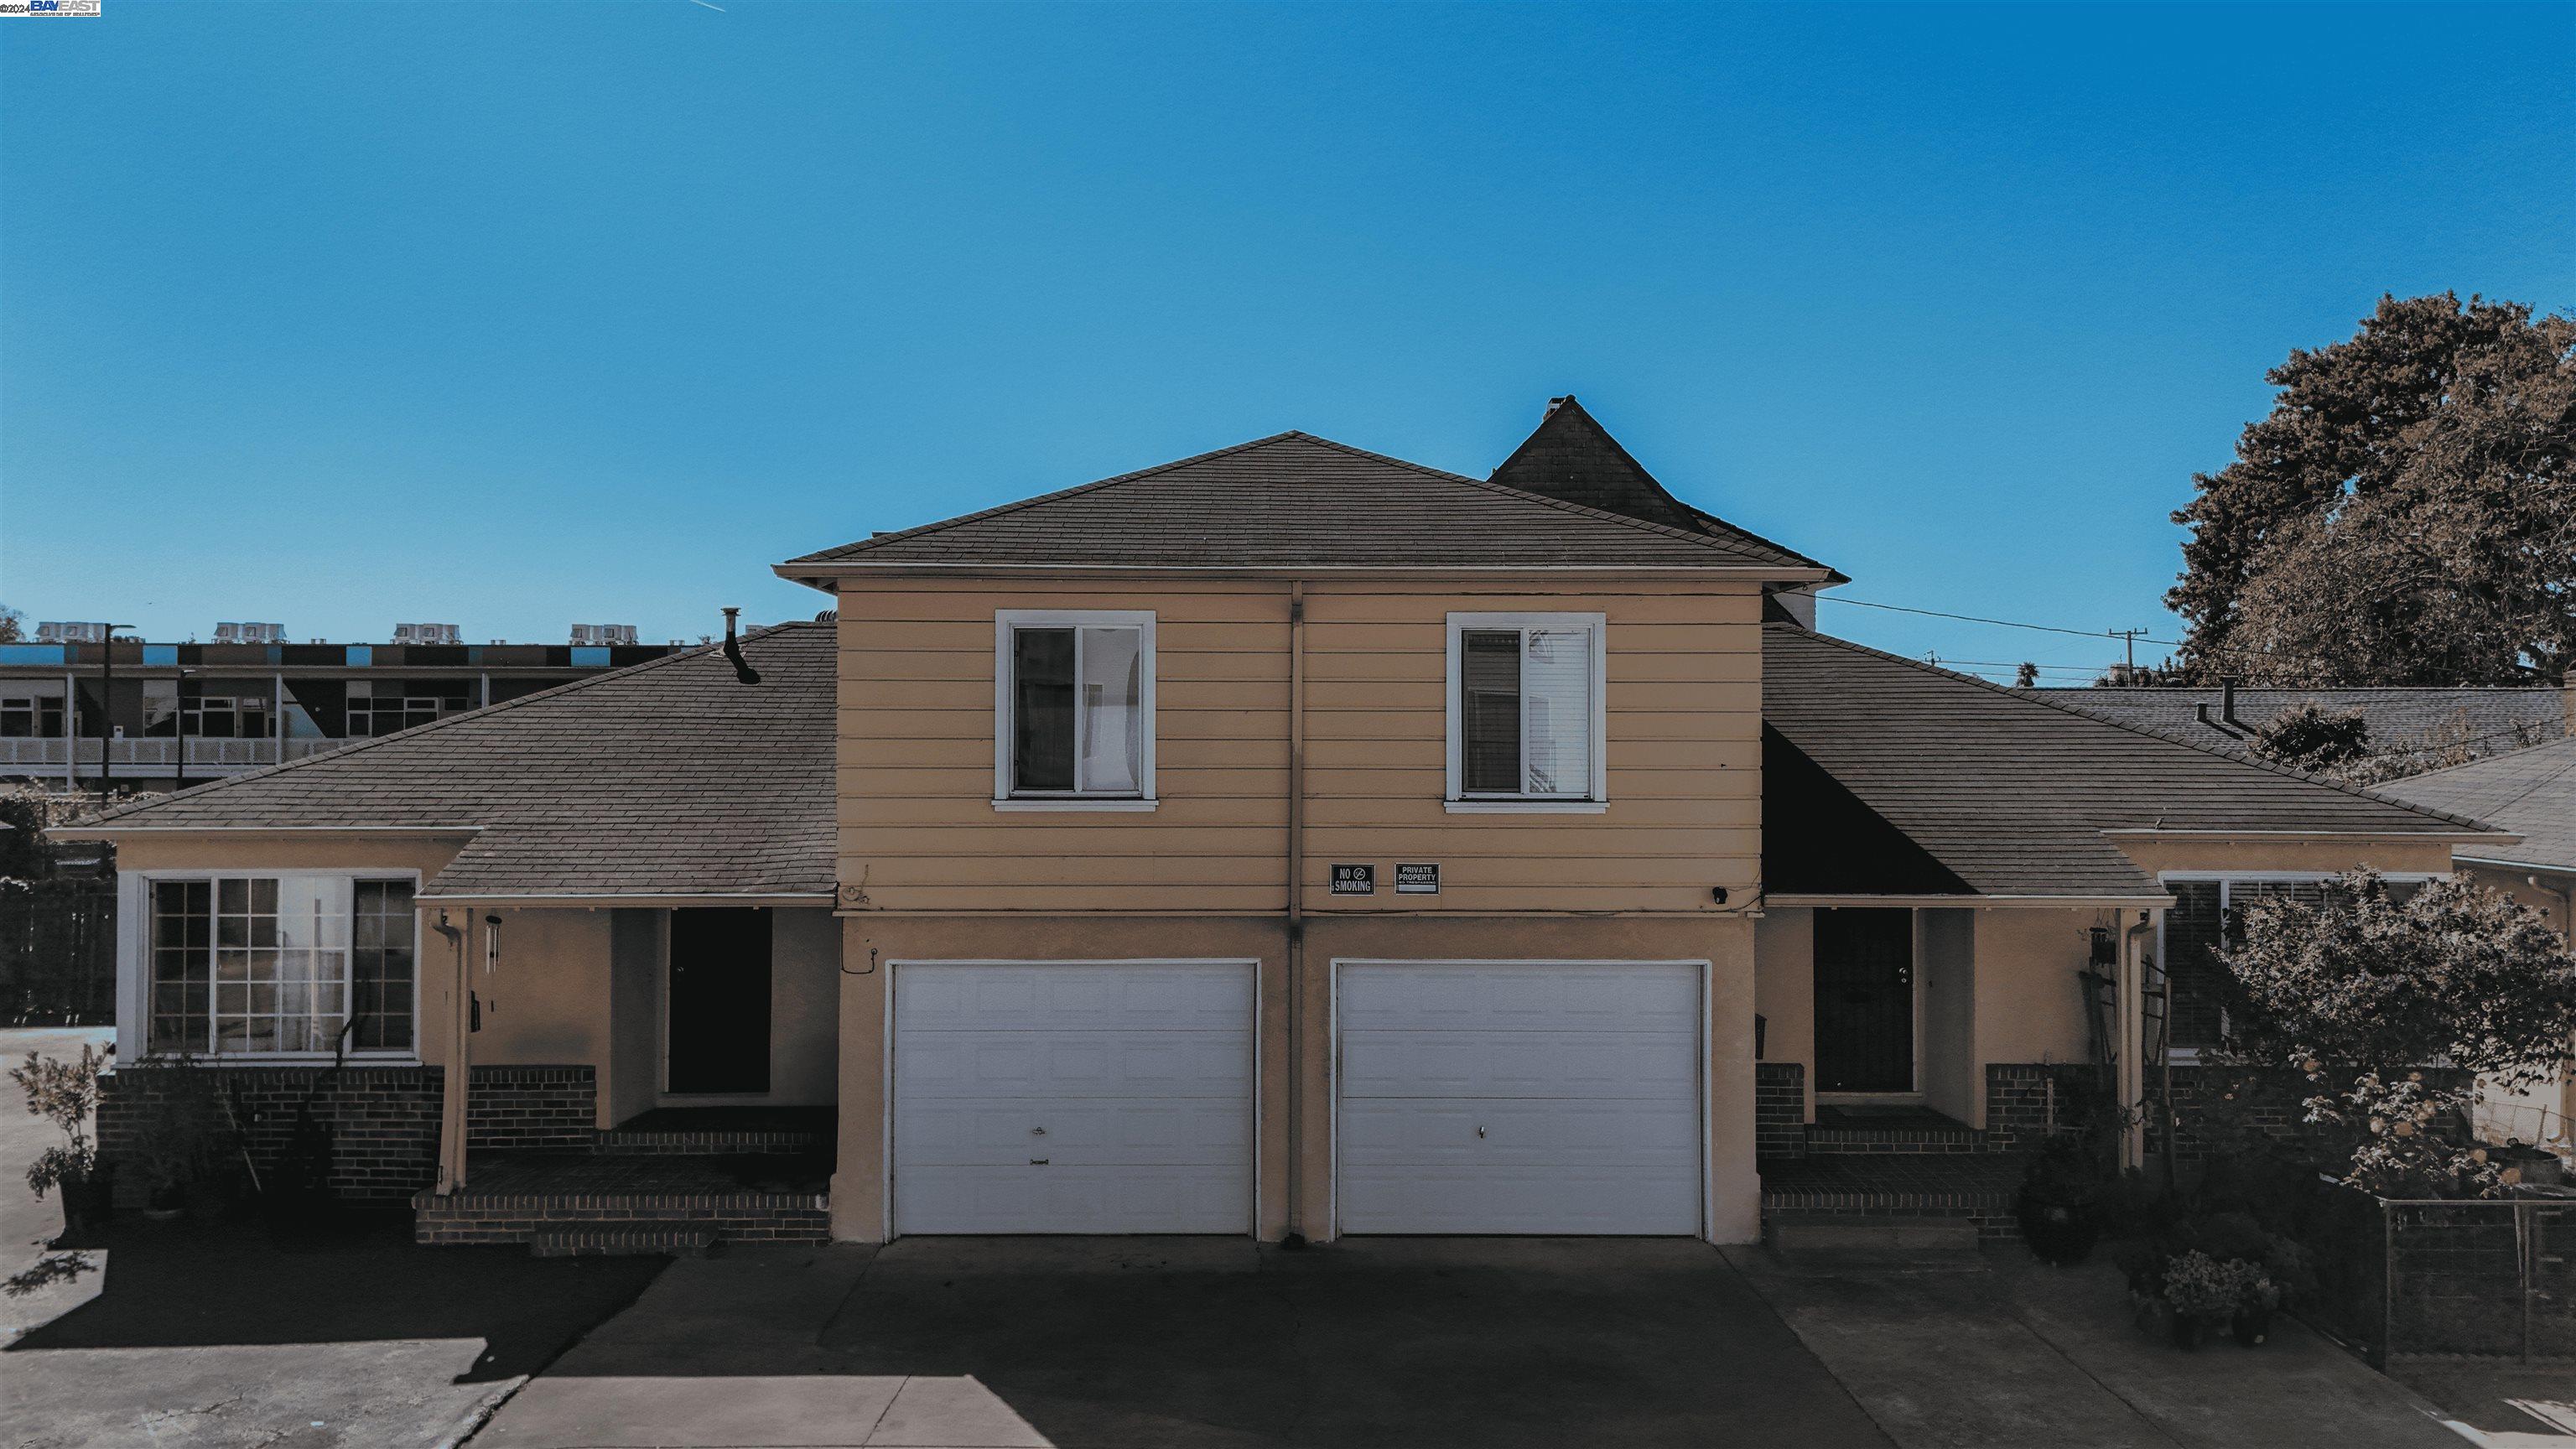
x,y
1299,501
1571,457
2531,792
1936,775
669,778
2485,720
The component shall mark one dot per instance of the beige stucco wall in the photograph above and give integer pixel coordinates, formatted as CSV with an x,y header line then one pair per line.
x,y
2155,853
919,831
858,1193
1950,974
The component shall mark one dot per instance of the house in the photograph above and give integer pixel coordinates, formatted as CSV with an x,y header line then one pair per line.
x,y
2531,792
1287,840
167,715
2421,726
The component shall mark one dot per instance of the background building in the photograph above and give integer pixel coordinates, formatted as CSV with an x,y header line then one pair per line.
x,y
170,715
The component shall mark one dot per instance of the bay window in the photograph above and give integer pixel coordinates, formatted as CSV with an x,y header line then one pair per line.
x,y
1525,711
1073,709
267,965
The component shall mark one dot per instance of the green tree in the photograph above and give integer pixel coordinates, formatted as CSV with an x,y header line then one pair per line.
x,y
2406,514
13,625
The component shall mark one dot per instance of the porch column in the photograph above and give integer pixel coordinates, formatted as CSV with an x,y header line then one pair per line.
x,y
458,930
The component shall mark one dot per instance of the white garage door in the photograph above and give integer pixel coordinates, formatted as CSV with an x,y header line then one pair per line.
x,y
1479,1097
1082,1097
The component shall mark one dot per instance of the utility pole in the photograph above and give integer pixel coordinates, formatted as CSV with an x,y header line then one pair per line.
x,y
2129,643
107,712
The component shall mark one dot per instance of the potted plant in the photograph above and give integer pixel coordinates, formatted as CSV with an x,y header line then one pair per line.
x,y
65,1093
2257,1297
2058,1207
2202,1292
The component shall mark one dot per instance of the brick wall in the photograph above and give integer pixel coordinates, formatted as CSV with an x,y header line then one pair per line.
x,y
1779,1109
383,1120
2025,1099
799,1217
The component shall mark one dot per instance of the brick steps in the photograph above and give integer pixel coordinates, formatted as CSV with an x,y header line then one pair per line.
x,y
629,1240
1819,1235
622,1141
1875,1140
1974,1190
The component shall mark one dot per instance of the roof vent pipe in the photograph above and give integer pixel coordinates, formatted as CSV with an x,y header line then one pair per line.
x,y
2227,700
2202,709
742,669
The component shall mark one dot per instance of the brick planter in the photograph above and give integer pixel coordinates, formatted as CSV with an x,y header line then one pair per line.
x,y
1779,1110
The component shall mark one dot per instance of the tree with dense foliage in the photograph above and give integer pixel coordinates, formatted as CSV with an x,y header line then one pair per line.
x,y
2308,738
13,625
2362,991
2406,514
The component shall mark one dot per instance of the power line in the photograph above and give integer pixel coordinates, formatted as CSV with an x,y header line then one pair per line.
x,y
2000,623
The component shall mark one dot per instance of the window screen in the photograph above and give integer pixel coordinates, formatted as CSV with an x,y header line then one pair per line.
x,y
1078,710
1525,712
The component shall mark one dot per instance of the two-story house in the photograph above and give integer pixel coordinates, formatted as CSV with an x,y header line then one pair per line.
x,y
1288,840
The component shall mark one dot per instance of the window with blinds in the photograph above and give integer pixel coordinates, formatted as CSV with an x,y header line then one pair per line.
x,y
1525,707
2206,917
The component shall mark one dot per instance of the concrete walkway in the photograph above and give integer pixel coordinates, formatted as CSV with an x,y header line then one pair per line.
x,y
2013,1353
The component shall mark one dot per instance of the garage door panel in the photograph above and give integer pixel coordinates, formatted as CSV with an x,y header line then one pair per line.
x,y
1517,998
1139,1074
1093,1134
1192,997
1588,1137
1073,1063
1519,1098
1425,1199
1479,1063
1054,1199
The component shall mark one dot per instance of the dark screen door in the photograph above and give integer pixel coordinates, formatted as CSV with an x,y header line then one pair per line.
x,y
719,1006
1865,1001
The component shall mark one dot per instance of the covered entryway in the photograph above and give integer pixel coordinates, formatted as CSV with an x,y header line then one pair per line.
x,y
1519,1097
1073,1097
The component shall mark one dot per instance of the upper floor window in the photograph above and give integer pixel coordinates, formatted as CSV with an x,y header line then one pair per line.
x,y
259,965
1525,711
1073,706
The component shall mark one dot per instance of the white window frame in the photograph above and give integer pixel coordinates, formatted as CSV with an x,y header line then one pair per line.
x,y
134,968
2190,1055
1595,799
1006,795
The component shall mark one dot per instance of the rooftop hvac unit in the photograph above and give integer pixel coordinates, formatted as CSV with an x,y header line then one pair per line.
x,y
428,634
250,633
66,631
598,634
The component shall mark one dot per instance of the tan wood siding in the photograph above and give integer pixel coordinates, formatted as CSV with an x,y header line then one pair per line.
x,y
919,831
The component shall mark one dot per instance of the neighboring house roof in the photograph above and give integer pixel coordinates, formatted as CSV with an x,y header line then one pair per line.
x,y
669,778
2483,720
1299,501
1574,459
1890,777
2530,792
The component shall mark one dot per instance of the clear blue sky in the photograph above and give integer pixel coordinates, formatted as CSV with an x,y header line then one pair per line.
x,y
517,315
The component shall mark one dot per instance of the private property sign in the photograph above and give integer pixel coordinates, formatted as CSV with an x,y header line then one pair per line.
x,y
1418,879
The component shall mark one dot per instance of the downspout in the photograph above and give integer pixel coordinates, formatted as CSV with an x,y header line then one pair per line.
x,y
451,1107
2131,1058
1296,1234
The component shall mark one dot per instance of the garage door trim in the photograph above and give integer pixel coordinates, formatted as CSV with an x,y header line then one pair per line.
x,y
1702,965
886,1056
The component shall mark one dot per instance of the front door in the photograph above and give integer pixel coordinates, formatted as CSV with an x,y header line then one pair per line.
x,y
1865,1001
719,1002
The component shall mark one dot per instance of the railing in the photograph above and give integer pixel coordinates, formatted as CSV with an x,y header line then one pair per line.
x,y
2495,1277
156,756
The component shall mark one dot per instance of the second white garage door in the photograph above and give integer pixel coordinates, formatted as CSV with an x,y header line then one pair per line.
x,y
1490,1097
1076,1097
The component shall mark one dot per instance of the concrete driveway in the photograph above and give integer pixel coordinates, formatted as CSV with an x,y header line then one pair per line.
x,y
988,1343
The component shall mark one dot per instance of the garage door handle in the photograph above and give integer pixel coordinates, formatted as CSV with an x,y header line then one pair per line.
x,y
1480,1132
1037,1162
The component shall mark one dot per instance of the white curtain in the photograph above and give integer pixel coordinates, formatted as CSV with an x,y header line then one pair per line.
x,y
1112,701
1556,711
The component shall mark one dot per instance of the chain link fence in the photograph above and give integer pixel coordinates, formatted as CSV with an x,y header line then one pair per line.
x,y
2492,1278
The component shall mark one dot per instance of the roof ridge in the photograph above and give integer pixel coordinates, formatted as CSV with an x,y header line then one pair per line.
x,y
832,555
2249,761
264,772
2567,741
1506,490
